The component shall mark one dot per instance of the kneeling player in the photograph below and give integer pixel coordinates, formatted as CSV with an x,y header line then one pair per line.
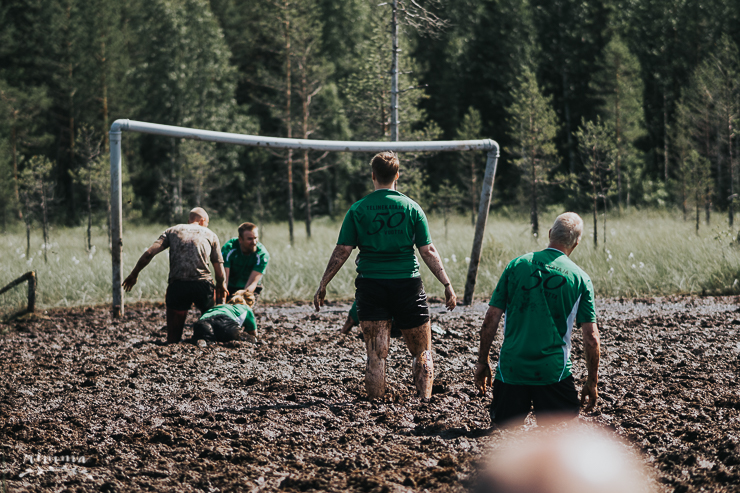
x,y
386,225
223,323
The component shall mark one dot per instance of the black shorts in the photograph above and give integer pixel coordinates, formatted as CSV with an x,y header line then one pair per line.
x,y
181,295
402,300
511,403
219,328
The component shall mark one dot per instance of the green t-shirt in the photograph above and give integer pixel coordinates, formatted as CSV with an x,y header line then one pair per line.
x,y
385,225
241,265
241,314
542,294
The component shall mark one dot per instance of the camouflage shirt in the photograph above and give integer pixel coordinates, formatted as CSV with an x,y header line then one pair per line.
x,y
191,245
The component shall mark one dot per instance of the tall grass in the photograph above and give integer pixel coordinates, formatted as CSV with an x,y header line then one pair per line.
x,y
645,253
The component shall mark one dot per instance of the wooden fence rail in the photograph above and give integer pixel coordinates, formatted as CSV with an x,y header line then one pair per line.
x,y
31,278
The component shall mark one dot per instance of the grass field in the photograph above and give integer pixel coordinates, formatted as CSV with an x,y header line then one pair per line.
x,y
646,253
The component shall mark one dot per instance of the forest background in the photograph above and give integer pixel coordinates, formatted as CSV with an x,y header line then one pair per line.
x,y
598,105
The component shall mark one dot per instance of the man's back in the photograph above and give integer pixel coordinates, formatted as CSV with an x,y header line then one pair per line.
x,y
542,293
191,246
386,225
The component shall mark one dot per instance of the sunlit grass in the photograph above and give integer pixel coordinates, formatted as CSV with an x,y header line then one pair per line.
x,y
646,253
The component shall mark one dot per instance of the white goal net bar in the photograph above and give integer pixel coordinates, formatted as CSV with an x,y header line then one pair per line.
x,y
490,146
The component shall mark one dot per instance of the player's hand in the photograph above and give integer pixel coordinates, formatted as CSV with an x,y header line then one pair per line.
x,y
318,298
129,282
589,394
483,377
222,293
450,298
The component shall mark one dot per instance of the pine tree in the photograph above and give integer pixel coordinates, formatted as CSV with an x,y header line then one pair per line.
x,y
36,188
470,129
533,127
92,173
598,153
20,114
618,85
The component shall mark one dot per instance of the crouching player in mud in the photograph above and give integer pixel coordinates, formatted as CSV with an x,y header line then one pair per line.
x,y
223,323
386,225
542,294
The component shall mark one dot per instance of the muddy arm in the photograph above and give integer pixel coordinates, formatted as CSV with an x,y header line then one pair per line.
x,y
482,373
431,257
221,291
143,261
592,346
338,257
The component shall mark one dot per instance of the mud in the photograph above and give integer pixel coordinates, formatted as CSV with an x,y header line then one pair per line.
x,y
88,403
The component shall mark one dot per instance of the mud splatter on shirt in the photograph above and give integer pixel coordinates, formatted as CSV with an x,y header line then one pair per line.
x,y
191,245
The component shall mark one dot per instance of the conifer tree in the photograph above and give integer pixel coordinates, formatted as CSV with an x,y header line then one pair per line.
x,y
597,148
533,127
470,129
619,87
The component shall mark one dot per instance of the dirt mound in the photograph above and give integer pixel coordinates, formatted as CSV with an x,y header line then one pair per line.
x,y
93,404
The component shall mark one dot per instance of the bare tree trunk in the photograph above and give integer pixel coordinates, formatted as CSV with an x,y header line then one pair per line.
x,y
665,137
394,74
730,206
473,179
89,210
618,135
14,139
708,205
568,132
533,217
288,123
596,216
45,219
27,220
103,70
307,188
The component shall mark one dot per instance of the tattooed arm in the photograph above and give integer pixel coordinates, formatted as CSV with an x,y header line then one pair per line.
x,y
431,257
592,345
338,257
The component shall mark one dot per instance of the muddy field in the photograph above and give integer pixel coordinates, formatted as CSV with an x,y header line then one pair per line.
x,y
93,404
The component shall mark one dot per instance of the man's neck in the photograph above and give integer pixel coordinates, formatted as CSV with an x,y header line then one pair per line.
x,y
560,248
383,187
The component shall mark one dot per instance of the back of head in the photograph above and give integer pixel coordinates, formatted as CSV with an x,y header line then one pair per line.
x,y
242,297
567,229
578,459
246,227
385,166
197,214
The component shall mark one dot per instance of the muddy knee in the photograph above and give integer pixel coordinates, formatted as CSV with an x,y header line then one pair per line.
x,y
377,342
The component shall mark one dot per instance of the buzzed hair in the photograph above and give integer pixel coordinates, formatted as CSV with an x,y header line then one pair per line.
x,y
246,227
567,229
197,214
385,166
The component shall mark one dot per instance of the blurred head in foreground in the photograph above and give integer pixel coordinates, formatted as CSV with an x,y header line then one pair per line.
x,y
578,459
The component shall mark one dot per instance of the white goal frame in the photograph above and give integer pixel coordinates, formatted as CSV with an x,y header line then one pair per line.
x,y
116,199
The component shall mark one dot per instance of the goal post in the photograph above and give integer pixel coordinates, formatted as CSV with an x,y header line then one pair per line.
x,y
490,146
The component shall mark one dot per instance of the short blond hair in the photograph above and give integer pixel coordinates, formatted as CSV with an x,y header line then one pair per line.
x,y
242,297
567,229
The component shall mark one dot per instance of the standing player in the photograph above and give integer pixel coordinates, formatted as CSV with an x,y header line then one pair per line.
x,y
245,260
191,245
386,225
543,294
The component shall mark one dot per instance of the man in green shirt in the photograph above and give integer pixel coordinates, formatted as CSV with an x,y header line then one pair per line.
x,y
245,260
541,294
385,226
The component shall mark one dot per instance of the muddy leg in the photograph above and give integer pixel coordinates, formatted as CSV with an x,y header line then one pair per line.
x,y
348,324
419,342
175,324
377,341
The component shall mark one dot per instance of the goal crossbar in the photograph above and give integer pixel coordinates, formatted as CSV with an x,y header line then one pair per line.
x,y
488,145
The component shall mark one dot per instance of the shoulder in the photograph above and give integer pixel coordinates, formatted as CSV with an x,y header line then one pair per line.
x,y
229,244
261,250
